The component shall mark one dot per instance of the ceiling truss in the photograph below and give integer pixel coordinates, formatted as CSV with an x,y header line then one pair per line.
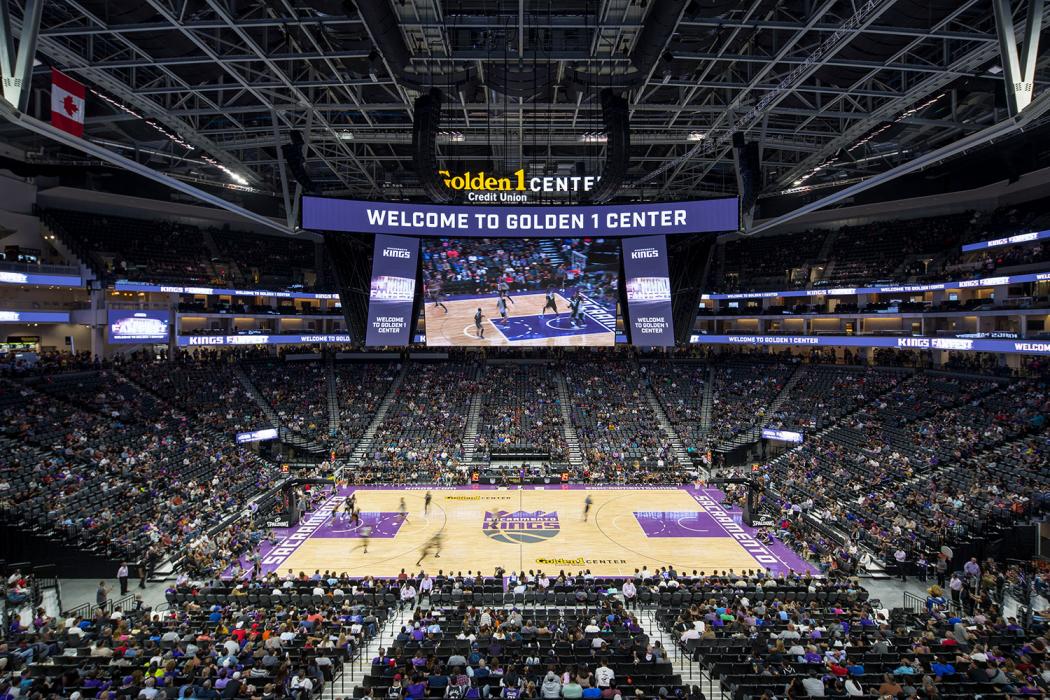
x,y
233,78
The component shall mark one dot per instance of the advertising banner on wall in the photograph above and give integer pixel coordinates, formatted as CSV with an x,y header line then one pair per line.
x,y
392,290
519,221
648,291
138,326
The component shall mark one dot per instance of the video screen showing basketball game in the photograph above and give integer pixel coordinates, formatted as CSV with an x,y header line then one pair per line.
x,y
520,291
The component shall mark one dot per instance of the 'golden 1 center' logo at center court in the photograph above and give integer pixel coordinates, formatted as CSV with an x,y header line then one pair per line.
x,y
520,527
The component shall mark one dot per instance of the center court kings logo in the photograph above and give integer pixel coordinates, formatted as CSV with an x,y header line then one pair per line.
x,y
520,527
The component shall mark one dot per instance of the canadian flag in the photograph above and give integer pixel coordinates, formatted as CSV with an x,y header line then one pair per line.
x,y
67,103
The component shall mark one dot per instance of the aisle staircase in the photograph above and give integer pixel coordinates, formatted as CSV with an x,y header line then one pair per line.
x,y
754,432
359,665
829,242
364,444
680,452
785,391
333,396
568,430
691,672
551,251
232,271
72,250
709,401
470,431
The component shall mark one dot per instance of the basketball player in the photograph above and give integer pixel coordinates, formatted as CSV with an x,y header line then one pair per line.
x,y
403,510
587,507
355,518
433,545
437,297
365,534
504,290
426,503
550,303
574,308
477,323
501,306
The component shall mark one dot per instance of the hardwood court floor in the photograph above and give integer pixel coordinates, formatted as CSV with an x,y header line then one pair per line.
x,y
457,326
612,542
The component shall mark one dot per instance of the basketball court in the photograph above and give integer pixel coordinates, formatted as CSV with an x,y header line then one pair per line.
x,y
528,527
526,324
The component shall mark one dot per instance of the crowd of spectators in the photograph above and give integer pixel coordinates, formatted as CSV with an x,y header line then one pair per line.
x,y
115,470
921,248
823,394
520,409
23,364
801,641
205,386
681,388
421,436
196,648
298,393
617,428
124,248
173,252
743,393
360,388
958,460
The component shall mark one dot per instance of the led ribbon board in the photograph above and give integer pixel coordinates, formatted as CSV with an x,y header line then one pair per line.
x,y
125,286
519,221
890,288
8,277
1009,240
1024,347
230,340
34,317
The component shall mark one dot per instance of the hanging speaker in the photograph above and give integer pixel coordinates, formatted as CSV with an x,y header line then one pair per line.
x,y
296,164
424,145
748,176
617,121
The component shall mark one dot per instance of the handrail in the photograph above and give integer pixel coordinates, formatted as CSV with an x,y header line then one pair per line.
x,y
82,610
123,604
917,604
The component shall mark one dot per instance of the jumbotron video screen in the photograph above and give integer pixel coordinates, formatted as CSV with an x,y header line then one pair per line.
x,y
520,291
